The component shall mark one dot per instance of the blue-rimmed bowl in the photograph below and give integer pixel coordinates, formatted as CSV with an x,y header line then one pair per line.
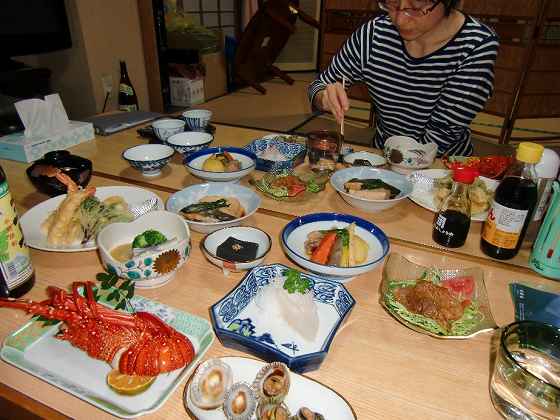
x,y
189,142
166,127
295,234
195,160
248,198
197,119
148,158
339,178
294,153
238,322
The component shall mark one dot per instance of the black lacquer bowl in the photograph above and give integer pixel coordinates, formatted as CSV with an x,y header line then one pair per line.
x,y
76,167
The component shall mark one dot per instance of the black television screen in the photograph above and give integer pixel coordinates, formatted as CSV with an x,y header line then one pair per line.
x,y
33,27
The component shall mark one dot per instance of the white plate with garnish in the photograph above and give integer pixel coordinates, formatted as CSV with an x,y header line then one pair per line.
x,y
424,191
33,219
303,392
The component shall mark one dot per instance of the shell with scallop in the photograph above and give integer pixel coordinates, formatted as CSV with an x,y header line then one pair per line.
x,y
272,383
240,402
210,384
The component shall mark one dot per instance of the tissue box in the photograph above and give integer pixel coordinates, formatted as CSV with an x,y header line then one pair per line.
x,y
27,149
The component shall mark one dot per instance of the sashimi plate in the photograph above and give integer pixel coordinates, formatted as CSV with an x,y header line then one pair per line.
x,y
304,392
237,320
34,349
32,220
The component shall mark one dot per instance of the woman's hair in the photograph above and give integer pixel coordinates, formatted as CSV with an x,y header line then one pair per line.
x,y
450,4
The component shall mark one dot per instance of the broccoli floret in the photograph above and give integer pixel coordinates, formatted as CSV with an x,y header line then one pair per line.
x,y
148,238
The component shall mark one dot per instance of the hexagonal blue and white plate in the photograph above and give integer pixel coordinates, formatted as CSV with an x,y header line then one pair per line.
x,y
238,321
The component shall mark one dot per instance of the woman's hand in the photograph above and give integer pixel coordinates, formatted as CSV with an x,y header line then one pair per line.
x,y
333,99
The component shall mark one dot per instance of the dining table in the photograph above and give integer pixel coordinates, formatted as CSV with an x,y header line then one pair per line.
x,y
383,369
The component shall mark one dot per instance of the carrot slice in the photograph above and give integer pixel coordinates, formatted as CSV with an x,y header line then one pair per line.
x,y
321,253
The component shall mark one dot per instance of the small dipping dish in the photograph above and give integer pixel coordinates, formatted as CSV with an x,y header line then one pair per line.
x,y
213,240
356,158
148,158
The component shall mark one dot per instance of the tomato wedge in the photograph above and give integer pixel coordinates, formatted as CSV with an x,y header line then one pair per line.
x,y
462,286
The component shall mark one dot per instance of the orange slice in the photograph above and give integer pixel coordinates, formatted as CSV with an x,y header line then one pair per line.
x,y
128,384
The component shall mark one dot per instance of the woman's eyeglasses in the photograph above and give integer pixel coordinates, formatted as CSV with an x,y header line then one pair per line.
x,y
419,7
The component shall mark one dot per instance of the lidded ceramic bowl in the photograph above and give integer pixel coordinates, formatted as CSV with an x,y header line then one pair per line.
x,y
76,167
407,155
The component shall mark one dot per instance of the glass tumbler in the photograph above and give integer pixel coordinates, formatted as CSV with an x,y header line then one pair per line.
x,y
323,150
526,379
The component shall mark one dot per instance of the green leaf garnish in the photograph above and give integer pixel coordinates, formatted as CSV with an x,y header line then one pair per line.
x,y
294,282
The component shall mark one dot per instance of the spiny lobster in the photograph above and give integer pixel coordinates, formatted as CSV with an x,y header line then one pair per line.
x,y
138,343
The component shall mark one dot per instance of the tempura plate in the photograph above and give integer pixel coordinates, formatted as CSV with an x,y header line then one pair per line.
x,y
398,268
34,349
33,218
304,392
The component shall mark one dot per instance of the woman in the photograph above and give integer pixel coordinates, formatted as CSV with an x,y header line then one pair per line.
x,y
428,68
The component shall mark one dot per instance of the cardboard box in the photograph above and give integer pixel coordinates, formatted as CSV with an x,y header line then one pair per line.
x,y
27,149
186,92
215,81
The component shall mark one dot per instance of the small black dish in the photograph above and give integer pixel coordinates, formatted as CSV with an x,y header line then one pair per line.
x,y
148,132
76,167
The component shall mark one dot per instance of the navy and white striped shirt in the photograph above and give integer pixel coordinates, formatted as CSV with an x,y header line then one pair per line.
x,y
432,98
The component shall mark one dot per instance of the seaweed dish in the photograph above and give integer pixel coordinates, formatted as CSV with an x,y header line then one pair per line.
x,y
233,249
213,209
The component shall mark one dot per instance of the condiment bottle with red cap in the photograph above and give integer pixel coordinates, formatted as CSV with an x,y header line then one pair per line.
x,y
453,221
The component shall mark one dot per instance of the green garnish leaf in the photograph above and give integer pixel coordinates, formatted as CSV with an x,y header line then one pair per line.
x,y
294,282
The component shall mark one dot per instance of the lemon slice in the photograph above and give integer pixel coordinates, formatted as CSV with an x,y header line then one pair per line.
x,y
128,384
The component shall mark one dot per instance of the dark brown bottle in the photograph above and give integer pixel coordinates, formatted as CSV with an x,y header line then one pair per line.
x,y
128,101
512,209
17,276
453,221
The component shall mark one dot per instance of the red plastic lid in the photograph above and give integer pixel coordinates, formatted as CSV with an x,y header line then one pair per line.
x,y
465,175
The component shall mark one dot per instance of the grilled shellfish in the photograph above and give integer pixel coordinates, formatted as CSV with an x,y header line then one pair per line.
x,y
240,402
210,384
272,383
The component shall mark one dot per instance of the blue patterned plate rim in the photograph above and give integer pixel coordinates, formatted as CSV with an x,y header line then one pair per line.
x,y
251,342
337,217
213,150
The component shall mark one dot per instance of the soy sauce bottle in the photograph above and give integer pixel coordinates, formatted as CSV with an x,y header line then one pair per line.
x,y
128,101
16,271
453,221
514,202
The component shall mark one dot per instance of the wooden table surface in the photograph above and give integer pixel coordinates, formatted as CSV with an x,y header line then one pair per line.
x,y
384,370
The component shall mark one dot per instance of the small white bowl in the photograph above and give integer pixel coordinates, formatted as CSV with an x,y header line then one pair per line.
x,y
242,233
339,178
295,234
166,127
156,267
195,161
190,141
148,158
372,158
407,155
197,119
248,198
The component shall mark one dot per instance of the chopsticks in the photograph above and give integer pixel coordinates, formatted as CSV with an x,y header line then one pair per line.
x,y
342,120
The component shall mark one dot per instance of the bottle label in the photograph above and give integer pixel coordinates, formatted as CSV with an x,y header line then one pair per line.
x,y
503,226
128,108
15,262
126,89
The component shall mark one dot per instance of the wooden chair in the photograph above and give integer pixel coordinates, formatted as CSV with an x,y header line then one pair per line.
x,y
263,40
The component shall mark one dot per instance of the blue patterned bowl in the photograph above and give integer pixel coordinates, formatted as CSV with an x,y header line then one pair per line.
x,y
239,322
166,127
156,266
148,158
190,141
197,119
195,161
295,234
294,153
